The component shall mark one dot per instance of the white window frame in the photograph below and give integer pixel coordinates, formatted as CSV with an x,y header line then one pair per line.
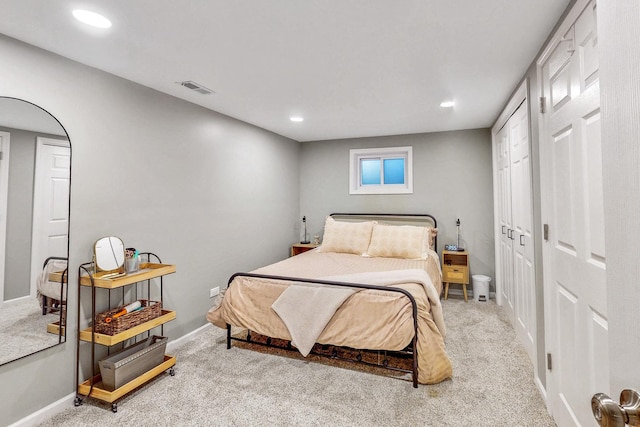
x,y
355,172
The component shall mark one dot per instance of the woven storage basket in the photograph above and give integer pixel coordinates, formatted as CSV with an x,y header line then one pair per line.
x,y
150,310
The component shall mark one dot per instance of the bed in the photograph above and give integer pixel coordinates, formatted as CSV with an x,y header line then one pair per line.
x,y
52,294
373,284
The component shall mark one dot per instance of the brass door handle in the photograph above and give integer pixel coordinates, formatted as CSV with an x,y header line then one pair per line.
x,y
610,414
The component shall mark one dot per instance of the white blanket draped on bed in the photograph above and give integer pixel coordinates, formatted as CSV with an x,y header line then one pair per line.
x,y
307,308
48,288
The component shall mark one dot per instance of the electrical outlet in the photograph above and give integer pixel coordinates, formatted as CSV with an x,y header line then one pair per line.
x,y
214,291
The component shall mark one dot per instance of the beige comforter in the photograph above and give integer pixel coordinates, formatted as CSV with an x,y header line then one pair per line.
x,y
370,319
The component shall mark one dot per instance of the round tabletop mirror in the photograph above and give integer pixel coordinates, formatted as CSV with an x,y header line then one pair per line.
x,y
109,253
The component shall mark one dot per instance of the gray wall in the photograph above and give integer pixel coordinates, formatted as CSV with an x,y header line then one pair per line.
x,y
19,213
22,161
452,179
205,192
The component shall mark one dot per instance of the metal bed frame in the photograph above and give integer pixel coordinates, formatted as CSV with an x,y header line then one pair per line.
x,y
409,351
62,302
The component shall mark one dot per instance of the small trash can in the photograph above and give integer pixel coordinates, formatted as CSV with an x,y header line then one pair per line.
x,y
481,287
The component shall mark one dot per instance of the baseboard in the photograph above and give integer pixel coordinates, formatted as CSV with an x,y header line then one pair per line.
x,y
543,393
46,412
67,401
173,344
459,293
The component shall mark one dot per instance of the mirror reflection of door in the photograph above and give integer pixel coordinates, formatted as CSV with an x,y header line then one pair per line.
x,y
34,223
51,203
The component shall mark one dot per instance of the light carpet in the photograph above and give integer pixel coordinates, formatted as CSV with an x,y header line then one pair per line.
x,y
23,329
492,385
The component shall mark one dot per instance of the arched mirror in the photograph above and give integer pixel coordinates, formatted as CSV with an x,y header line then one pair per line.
x,y
35,177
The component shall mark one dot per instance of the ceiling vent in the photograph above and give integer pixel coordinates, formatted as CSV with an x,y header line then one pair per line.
x,y
196,87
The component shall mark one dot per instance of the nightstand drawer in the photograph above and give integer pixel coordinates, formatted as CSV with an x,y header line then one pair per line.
x,y
456,274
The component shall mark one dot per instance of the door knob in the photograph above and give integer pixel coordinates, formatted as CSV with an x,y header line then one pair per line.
x,y
610,414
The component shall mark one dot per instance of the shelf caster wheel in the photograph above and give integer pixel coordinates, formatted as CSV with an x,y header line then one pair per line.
x,y
172,372
385,362
359,357
77,401
114,407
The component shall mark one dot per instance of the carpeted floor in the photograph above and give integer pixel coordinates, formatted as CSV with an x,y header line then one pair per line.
x,y
23,329
492,386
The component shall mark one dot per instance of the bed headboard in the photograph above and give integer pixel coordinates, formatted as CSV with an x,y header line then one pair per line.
x,y
393,219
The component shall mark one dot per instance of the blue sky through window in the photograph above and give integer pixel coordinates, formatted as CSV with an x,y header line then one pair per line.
x,y
370,171
394,171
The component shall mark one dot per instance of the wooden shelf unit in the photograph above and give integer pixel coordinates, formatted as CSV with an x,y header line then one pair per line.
x,y
93,387
455,269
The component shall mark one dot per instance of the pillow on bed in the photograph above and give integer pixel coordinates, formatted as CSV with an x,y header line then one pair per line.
x,y
346,237
400,241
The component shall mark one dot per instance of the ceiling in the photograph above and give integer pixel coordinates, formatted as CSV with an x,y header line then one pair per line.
x,y
351,68
17,114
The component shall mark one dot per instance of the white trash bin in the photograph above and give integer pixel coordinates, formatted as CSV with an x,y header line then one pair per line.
x,y
481,287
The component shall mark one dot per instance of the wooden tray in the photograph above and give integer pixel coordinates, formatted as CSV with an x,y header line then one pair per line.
x,y
148,270
54,328
111,396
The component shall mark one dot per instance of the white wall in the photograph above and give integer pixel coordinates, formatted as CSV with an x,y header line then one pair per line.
x,y
452,179
205,192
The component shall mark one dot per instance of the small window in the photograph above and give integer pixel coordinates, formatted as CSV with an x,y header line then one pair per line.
x,y
381,170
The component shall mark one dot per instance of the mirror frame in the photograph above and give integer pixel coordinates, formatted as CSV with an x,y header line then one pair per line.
x,y
63,326
111,267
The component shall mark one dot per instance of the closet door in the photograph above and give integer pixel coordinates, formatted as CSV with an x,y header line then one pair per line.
x,y
503,210
515,282
522,225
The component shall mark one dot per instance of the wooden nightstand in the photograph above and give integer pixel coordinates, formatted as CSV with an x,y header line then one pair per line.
x,y
455,269
298,248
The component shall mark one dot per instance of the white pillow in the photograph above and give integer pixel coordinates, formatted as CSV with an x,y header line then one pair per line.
x,y
346,237
399,241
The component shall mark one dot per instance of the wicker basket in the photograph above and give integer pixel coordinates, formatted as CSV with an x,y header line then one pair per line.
x,y
150,310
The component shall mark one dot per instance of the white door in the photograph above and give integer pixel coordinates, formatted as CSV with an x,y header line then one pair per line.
x,y
522,234
619,32
51,203
574,255
506,293
4,194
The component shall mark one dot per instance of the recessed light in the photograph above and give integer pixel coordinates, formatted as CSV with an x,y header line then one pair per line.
x,y
447,104
91,18
296,118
